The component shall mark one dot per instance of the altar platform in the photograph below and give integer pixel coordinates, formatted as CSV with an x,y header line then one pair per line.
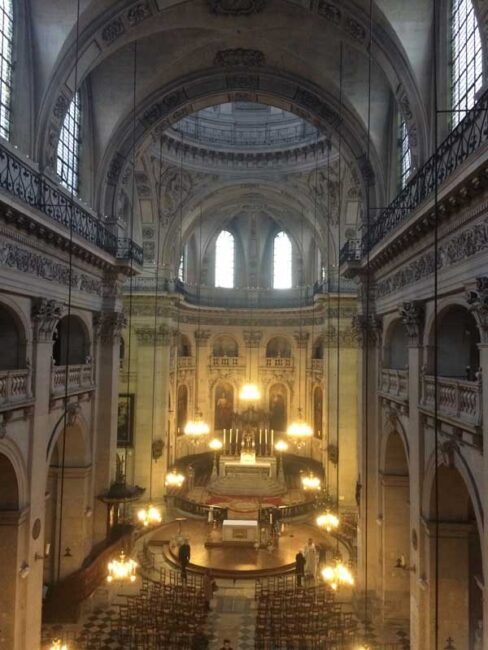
x,y
243,562
247,475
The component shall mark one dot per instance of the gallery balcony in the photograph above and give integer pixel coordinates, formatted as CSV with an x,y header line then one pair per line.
x,y
226,362
15,388
71,379
458,401
278,362
394,384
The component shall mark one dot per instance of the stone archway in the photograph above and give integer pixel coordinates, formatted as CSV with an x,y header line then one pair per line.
x,y
395,569
453,539
68,508
10,554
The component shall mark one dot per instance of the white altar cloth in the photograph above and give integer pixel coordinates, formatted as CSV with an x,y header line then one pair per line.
x,y
240,530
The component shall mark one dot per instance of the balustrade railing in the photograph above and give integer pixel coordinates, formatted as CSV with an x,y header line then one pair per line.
x,y
224,362
468,136
394,382
456,398
15,387
79,378
36,190
318,365
185,362
278,362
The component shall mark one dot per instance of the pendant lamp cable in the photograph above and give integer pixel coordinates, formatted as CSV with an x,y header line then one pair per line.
x,y
315,262
366,325
329,320
196,409
338,370
155,324
435,326
68,318
181,252
131,231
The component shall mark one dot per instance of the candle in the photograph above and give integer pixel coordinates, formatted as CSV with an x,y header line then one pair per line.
x,y
272,440
271,518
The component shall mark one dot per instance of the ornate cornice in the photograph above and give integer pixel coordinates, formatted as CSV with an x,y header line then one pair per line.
x,y
107,326
45,316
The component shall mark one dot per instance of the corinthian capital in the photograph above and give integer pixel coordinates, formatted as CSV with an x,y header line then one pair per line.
x,y
107,326
367,330
45,315
477,300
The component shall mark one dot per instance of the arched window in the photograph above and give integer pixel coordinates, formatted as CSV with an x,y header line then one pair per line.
x,y
6,43
466,58
68,154
224,260
181,269
404,153
282,261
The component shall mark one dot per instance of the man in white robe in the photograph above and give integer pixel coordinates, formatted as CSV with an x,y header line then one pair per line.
x,y
310,554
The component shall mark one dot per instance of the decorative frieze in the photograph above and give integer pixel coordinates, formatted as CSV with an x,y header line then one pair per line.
x,y
153,335
240,57
45,316
236,7
477,300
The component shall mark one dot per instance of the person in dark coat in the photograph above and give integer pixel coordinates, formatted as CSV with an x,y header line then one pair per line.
x,y
299,567
184,557
199,640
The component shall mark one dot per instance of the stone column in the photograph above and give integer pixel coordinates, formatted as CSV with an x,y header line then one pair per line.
x,y
413,315
107,329
151,409
45,315
367,332
201,402
477,298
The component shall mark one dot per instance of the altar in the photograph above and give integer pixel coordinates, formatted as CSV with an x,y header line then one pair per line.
x,y
240,531
247,468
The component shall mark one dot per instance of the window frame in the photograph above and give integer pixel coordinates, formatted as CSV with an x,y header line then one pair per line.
x,y
68,168
218,283
9,41
404,151
274,265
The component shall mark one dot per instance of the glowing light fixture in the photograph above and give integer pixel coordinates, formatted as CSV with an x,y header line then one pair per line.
x,y
328,521
337,575
57,644
196,428
299,430
281,446
215,444
149,516
250,393
174,479
311,483
122,570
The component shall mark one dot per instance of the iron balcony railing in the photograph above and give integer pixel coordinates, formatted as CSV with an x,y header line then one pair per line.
x,y
36,190
464,140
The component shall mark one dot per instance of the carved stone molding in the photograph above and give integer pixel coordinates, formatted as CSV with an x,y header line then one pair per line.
x,y
107,326
477,300
201,337
448,450
367,330
252,338
412,315
153,336
240,57
301,339
236,7
45,316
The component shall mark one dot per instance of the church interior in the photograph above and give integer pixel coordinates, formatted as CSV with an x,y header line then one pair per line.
x,y
243,324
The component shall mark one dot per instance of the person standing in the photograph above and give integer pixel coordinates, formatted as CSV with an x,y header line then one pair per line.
x,y
299,567
199,640
184,553
209,587
310,554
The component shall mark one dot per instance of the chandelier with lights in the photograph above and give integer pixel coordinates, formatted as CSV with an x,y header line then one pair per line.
x,y
57,644
196,428
311,483
174,479
337,575
122,570
250,393
328,521
149,516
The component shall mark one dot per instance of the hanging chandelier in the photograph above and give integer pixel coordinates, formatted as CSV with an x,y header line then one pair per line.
x,y
299,430
281,446
196,428
328,521
311,483
337,575
174,479
122,570
57,644
250,393
149,515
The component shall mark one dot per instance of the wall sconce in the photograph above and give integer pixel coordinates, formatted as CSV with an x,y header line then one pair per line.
x,y
45,555
401,563
67,552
